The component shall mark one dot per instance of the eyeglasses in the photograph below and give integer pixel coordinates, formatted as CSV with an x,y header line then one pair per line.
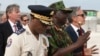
x,y
82,15
26,20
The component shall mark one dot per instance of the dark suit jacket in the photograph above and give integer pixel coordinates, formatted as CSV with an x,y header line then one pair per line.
x,y
5,32
74,37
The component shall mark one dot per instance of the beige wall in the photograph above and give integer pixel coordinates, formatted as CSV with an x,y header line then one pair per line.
x,y
98,14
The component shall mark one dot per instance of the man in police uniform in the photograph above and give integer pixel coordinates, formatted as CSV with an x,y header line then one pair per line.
x,y
30,41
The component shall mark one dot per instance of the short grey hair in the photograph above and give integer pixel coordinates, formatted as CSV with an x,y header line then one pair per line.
x,y
74,13
10,8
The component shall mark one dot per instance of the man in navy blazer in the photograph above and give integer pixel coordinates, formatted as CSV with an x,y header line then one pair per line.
x,y
73,35
74,29
76,20
6,28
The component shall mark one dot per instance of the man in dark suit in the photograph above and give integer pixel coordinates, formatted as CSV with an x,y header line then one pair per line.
x,y
7,28
74,29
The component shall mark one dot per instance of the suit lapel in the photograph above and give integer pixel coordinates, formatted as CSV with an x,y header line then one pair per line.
x,y
72,33
9,27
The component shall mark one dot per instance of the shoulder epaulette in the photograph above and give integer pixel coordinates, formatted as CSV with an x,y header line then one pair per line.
x,y
20,31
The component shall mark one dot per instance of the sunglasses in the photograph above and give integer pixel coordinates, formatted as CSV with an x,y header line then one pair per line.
x,y
26,20
82,15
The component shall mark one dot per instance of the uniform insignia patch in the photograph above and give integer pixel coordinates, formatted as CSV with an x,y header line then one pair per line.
x,y
44,42
20,31
9,42
28,33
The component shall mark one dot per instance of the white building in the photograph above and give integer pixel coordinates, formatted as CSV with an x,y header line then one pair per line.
x,y
92,21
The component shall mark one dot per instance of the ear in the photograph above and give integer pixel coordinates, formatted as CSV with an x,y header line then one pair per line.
x,y
9,14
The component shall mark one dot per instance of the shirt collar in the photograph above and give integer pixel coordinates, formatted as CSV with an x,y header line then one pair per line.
x,y
28,31
74,27
11,23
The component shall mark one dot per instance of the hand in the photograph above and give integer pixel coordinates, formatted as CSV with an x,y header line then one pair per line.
x,y
83,39
90,51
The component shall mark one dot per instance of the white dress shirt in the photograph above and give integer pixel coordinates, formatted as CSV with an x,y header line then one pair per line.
x,y
75,29
12,25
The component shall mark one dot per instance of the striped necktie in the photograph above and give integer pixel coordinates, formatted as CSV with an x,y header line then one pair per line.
x,y
15,28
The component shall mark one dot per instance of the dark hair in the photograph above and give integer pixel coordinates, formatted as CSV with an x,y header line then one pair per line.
x,y
23,16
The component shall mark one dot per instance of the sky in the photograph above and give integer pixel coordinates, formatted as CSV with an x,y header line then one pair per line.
x,y
84,4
